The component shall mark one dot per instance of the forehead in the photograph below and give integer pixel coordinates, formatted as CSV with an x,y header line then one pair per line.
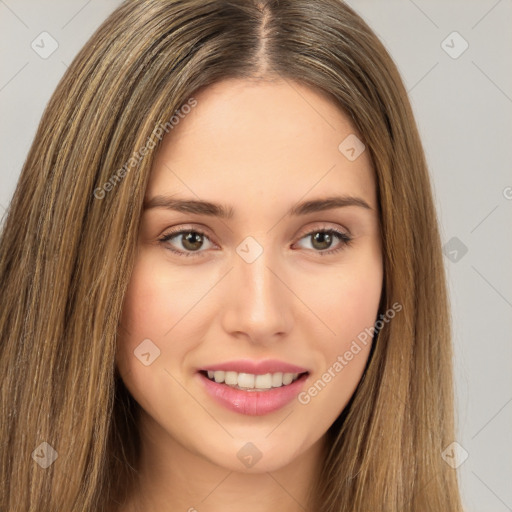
x,y
245,138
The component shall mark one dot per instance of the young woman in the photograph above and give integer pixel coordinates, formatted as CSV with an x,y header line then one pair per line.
x,y
222,282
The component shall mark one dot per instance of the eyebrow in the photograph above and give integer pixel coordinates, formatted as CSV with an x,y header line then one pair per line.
x,y
226,212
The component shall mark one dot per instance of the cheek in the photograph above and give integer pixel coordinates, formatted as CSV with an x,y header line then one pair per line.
x,y
349,307
348,300
156,299
150,310
145,309
159,305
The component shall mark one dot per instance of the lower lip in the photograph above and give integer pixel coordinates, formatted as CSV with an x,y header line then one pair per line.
x,y
253,403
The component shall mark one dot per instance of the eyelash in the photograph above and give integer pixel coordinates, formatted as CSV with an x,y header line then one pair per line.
x,y
345,240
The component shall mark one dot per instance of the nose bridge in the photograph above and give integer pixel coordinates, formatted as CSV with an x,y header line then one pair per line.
x,y
258,305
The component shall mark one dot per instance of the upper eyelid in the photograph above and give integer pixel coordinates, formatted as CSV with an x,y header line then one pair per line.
x,y
319,227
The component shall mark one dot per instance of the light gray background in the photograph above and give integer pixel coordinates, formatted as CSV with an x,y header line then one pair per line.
x,y
463,107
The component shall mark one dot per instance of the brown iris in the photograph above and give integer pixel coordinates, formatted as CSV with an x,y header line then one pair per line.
x,y
192,241
322,240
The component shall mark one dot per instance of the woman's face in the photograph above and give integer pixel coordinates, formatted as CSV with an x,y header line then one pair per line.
x,y
244,280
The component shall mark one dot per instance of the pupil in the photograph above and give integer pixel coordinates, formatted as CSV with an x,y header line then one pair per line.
x,y
322,240
192,241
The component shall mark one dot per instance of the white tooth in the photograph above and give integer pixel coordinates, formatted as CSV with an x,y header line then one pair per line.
x,y
277,380
231,378
253,382
287,378
218,375
246,380
263,381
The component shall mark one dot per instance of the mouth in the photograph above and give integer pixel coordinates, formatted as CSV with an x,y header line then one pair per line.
x,y
252,382
255,389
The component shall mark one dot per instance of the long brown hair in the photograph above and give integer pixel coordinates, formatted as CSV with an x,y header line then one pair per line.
x,y
68,245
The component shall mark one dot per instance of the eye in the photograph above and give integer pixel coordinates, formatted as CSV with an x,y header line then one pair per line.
x,y
189,242
322,241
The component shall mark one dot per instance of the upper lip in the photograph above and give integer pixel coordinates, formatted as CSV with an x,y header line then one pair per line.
x,y
255,367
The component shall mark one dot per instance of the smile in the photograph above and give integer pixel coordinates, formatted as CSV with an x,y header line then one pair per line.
x,y
253,388
252,382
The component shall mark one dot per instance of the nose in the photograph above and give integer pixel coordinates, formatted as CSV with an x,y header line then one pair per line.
x,y
258,305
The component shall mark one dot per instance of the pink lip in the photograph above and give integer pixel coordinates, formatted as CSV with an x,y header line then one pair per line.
x,y
253,403
256,367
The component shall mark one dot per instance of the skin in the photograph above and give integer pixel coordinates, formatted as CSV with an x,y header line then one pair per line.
x,y
260,148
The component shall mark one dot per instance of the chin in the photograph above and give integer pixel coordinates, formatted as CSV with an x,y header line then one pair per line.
x,y
259,455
